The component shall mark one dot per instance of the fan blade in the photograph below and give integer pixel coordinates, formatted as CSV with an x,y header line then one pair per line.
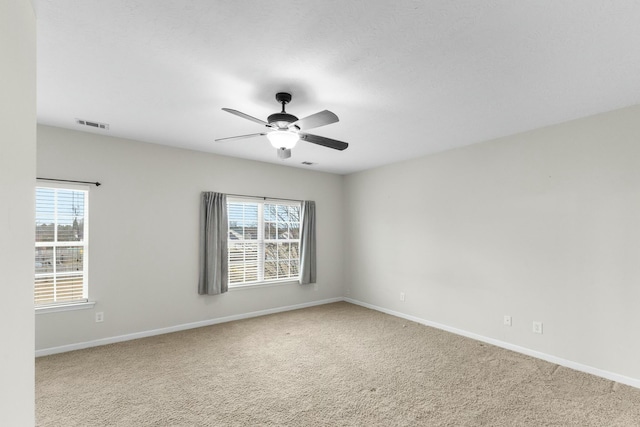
x,y
326,142
322,118
246,116
240,137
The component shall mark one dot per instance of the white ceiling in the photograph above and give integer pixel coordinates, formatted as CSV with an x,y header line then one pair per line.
x,y
406,78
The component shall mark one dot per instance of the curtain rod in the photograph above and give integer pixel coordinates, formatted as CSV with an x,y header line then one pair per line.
x,y
97,184
263,197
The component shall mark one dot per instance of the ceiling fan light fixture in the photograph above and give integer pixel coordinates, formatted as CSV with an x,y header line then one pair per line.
x,y
283,138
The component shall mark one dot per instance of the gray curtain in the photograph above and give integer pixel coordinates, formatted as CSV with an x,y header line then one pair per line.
x,y
308,243
213,244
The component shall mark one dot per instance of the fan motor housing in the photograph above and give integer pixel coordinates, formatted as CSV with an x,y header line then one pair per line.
x,y
278,118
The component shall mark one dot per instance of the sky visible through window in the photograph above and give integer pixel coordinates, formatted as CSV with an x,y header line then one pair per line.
x,y
70,214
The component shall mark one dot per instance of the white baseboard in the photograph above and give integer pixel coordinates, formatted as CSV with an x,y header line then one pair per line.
x,y
185,326
633,382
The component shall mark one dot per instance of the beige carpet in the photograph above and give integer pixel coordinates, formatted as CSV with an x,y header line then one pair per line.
x,y
332,365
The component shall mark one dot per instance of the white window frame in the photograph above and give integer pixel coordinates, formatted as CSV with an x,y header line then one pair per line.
x,y
261,241
78,303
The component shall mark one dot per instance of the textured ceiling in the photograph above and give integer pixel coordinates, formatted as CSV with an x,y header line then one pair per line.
x,y
406,78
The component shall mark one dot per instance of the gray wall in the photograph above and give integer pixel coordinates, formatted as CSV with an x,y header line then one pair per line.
x,y
17,173
143,262
543,226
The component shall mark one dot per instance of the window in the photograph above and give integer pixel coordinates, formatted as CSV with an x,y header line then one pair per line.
x,y
61,245
264,240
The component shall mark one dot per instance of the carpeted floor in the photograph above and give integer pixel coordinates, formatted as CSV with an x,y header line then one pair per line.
x,y
332,365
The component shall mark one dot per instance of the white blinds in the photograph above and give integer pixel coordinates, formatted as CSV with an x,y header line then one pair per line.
x,y
264,240
61,245
244,238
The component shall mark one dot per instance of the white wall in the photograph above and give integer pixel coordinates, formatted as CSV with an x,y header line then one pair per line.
x,y
17,172
143,267
541,226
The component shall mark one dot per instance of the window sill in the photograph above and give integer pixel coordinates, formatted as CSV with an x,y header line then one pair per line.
x,y
65,307
263,284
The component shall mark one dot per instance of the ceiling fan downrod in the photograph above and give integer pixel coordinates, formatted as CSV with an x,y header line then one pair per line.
x,y
284,98
283,119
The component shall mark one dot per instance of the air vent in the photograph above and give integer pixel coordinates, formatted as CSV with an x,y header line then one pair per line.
x,y
96,125
308,163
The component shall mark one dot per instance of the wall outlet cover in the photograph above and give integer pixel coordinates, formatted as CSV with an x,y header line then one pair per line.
x,y
507,320
537,327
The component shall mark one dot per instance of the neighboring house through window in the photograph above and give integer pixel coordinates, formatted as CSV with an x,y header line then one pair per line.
x,y
264,240
61,245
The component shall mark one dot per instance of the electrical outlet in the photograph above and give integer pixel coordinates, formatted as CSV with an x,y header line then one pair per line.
x,y
507,320
537,327
401,296
99,317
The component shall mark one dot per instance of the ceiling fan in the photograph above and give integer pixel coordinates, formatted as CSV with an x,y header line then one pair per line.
x,y
285,129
